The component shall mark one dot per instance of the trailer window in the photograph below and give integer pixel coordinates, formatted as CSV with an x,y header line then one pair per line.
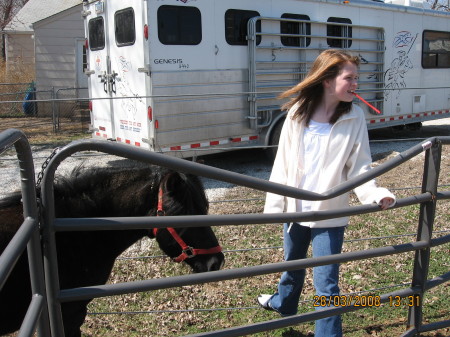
x,y
339,31
179,25
124,27
96,33
436,49
236,26
289,27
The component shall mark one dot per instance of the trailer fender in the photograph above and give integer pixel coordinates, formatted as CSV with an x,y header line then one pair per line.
x,y
273,134
278,120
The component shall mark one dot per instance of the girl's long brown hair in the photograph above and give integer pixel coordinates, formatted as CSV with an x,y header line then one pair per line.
x,y
309,92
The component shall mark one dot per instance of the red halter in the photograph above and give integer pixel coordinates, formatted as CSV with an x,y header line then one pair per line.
x,y
187,252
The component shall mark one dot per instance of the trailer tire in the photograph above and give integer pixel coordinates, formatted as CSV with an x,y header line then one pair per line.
x,y
414,126
274,140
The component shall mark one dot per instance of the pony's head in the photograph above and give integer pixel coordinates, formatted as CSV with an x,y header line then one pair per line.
x,y
183,194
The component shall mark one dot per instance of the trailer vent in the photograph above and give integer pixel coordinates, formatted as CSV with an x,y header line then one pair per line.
x,y
419,103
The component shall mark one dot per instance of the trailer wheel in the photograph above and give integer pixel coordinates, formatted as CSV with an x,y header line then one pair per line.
x,y
414,126
274,139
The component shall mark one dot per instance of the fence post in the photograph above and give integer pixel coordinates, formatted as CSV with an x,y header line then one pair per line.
x,y
37,310
424,231
54,110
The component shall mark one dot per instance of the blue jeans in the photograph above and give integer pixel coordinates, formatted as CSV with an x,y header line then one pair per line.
x,y
325,241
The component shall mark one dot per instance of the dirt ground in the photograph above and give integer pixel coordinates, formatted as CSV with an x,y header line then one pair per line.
x,y
43,131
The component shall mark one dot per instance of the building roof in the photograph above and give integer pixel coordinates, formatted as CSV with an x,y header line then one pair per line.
x,y
36,10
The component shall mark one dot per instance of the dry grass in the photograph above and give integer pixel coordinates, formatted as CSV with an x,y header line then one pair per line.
x,y
16,73
236,298
41,131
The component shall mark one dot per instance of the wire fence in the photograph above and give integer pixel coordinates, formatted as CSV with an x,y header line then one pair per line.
x,y
41,114
11,97
267,249
59,115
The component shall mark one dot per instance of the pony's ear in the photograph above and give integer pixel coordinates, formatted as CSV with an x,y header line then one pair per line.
x,y
174,181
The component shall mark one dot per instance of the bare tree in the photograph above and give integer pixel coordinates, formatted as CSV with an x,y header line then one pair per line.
x,y
439,5
8,8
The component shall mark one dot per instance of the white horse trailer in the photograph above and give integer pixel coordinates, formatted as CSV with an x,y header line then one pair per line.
x,y
188,75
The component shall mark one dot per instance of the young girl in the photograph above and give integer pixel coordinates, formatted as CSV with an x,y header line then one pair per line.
x,y
323,143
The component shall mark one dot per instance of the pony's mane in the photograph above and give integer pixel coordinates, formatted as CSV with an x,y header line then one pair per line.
x,y
112,191
11,199
130,191
127,191
11,215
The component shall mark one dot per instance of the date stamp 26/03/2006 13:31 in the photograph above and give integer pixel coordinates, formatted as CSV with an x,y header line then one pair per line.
x,y
365,301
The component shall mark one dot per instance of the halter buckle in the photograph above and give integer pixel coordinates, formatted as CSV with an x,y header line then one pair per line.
x,y
189,251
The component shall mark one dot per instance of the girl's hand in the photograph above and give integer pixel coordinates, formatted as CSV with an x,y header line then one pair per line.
x,y
385,203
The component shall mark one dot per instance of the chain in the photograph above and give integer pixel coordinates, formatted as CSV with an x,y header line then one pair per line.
x,y
44,166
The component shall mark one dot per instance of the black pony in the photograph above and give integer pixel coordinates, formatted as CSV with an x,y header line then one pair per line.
x,y
87,258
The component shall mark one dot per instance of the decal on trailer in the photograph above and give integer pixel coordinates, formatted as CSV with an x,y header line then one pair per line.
x,y
395,76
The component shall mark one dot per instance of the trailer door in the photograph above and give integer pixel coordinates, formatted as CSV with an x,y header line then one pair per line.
x,y
96,33
128,70
121,79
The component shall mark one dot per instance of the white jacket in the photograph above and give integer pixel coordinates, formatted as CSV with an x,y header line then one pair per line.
x,y
347,156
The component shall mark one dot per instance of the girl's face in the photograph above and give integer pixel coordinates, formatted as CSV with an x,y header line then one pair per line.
x,y
341,88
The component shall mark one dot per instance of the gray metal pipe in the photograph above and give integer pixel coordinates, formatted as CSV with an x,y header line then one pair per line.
x,y
221,275
15,248
146,156
295,320
116,223
32,316
29,234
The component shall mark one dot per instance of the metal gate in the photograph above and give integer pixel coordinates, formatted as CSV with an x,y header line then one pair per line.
x,y
27,237
420,283
282,50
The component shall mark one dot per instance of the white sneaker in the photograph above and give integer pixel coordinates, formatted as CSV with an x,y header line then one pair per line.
x,y
264,301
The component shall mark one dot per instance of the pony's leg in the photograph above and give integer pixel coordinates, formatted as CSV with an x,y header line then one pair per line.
x,y
74,314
